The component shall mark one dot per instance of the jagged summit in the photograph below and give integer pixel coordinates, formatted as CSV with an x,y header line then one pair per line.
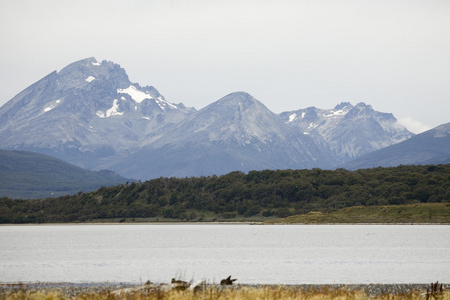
x,y
348,131
360,110
86,71
82,64
343,105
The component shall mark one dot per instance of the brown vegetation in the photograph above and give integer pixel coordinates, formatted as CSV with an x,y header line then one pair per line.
x,y
214,292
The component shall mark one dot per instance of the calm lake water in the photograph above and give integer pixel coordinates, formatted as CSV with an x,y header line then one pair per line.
x,y
286,254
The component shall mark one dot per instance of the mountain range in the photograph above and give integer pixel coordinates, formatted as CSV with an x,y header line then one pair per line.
x,y
91,115
236,132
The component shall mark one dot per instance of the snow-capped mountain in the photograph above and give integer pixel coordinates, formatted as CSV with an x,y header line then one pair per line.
x,y
348,131
91,115
236,132
85,113
429,147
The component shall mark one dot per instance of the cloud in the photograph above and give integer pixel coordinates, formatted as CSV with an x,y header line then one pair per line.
x,y
413,125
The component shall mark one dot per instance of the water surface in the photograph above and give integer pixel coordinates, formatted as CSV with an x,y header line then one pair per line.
x,y
287,254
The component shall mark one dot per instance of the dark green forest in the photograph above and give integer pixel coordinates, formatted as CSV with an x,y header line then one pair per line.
x,y
258,195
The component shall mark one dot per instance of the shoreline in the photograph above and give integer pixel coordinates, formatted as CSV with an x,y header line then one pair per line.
x,y
221,223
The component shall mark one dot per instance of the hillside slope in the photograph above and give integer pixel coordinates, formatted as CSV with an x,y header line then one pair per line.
x,y
27,175
429,147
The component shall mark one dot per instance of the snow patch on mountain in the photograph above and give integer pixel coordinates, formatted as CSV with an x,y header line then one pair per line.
x,y
90,79
135,94
138,96
52,105
113,111
292,117
164,104
335,113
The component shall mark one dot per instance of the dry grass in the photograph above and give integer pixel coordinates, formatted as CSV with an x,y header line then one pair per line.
x,y
214,292
387,214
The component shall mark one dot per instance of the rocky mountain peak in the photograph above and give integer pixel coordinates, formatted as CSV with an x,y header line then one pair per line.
x,y
86,71
362,105
348,131
343,105
237,116
240,100
87,106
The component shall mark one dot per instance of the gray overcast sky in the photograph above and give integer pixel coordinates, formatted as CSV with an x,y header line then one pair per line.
x,y
393,54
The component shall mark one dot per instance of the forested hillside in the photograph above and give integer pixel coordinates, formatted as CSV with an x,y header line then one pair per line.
x,y
257,195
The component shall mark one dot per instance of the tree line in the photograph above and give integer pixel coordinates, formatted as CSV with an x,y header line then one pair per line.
x,y
239,196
